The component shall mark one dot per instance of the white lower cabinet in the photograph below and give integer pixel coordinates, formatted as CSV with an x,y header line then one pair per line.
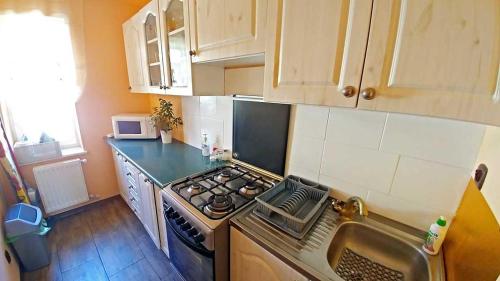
x,y
162,227
250,262
139,193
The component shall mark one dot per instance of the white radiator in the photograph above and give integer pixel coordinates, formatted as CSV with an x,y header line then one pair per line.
x,y
61,185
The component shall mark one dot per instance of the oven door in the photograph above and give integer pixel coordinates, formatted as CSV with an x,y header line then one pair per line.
x,y
193,261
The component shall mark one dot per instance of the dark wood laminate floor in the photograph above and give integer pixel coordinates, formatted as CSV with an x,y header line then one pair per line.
x,y
104,241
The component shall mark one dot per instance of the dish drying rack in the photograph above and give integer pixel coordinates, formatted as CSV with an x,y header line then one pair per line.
x,y
293,205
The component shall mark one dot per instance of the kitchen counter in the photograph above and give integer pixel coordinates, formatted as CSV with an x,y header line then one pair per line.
x,y
163,163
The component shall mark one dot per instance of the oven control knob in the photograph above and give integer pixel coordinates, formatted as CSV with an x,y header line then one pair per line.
x,y
192,231
185,226
198,238
174,215
180,221
169,210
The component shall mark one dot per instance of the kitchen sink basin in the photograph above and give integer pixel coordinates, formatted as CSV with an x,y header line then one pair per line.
x,y
360,251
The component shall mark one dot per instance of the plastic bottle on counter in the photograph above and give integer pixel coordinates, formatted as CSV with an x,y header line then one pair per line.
x,y
205,148
435,236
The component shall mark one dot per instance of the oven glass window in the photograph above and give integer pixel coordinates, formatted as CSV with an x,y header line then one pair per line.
x,y
129,127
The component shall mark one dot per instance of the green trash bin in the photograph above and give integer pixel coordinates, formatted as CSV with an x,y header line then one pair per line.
x,y
26,231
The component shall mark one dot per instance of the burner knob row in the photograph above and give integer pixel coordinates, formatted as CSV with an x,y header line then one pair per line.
x,y
184,225
180,221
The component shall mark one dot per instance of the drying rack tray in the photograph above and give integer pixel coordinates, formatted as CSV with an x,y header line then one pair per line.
x,y
292,205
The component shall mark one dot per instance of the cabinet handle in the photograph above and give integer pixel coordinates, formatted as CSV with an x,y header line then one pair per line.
x,y
130,187
192,53
128,174
130,87
146,180
368,93
348,91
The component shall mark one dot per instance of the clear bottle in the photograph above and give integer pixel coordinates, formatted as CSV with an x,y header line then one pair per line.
x,y
435,236
205,148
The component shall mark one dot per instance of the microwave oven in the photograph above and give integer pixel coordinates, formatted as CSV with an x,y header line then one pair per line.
x,y
133,126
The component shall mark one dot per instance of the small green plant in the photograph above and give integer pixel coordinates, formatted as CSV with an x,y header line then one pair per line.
x,y
163,116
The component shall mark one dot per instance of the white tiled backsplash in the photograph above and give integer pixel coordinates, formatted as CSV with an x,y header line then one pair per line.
x,y
408,168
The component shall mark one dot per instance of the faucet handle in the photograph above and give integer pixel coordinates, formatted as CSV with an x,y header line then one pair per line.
x,y
337,205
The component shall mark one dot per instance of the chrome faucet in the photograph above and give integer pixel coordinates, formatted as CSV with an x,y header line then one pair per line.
x,y
348,209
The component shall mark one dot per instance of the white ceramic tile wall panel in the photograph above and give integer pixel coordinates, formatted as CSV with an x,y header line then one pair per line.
x,y
225,113
367,168
356,127
414,214
341,189
215,130
191,106
447,141
310,121
303,172
192,129
429,184
208,106
306,153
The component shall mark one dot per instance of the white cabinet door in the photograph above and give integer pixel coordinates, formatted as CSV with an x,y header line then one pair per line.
x,y
120,176
222,29
315,51
434,57
149,219
162,227
134,56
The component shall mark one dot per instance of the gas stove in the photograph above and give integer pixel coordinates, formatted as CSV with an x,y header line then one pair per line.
x,y
222,191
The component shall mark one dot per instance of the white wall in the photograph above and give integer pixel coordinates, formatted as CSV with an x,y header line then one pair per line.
x,y
211,115
408,168
489,154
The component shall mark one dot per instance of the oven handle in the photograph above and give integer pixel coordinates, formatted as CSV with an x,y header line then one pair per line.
x,y
191,245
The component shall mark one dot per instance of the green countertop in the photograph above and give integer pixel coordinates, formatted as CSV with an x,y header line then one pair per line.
x,y
164,163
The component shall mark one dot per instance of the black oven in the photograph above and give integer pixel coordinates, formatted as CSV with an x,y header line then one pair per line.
x,y
189,256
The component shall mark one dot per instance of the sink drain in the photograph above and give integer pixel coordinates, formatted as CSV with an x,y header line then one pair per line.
x,y
354,267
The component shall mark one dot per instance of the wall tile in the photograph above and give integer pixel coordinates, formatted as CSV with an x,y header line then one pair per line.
x,y
447,141
208,106
430,184
310,121
215,130
303,172
341,189
356,127
191,106
409,213
192,129
364,167
225,113
306,152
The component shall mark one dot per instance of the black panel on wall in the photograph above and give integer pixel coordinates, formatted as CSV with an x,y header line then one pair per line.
x,y
260,134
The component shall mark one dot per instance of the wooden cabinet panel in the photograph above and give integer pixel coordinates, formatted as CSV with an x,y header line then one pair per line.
x,y
314,49
222,29
251,262
435,57
135,67
149,219
120,176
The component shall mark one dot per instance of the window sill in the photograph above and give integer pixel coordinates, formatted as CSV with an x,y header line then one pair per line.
x,y
66,153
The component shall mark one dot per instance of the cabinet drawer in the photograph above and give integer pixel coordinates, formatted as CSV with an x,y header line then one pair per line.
x,y
136,208
134,194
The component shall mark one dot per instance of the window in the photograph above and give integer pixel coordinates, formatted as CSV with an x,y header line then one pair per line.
x,y
37,78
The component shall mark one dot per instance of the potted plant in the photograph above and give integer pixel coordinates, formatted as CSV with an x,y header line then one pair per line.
x,y
164,119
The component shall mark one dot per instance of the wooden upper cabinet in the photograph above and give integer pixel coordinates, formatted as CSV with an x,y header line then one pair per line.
x,y
222,29
435,57
315,51
135,61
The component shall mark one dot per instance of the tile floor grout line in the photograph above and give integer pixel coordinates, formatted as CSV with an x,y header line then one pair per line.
x,y
95,245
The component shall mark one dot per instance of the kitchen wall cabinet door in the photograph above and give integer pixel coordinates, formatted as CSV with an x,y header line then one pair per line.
x,y
315,51
222,29
148,206
250,262
434,57
143,51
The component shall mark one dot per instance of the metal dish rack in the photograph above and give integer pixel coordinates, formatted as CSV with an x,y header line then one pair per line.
x,y
293,205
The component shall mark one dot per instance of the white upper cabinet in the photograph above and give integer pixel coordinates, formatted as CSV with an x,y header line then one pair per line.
x,y
222,29
434,57
135,61
315,51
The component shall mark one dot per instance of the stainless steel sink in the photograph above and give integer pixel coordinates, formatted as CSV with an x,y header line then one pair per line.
x,y
362,252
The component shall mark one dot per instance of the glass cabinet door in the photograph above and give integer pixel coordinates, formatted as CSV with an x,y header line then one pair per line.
x,y
176,44
153,51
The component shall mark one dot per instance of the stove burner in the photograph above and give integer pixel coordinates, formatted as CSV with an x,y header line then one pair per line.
x,y
195,189
251,189
219,204
223,176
